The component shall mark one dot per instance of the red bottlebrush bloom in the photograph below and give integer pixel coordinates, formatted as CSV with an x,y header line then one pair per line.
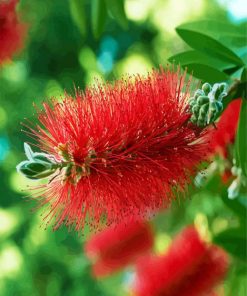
x,y
116,247
12,31
190,268
127,149
226,128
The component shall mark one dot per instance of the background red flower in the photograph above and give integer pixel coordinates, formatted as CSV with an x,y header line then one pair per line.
x,y
227,125
116,247
189,268
12,31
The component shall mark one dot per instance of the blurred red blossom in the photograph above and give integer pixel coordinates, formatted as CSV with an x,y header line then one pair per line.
x,y
126,149
12,31
226,128
189,268
116,247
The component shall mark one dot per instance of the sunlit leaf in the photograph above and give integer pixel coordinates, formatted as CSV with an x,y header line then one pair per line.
x,y
193,56
206,73
228,34
233,240
77,10
98,17
241,141
116,8
208,45
237,205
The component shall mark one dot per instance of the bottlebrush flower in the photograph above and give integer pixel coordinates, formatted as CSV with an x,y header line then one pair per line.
x,y
189,268
124,150
12,31
226,128
116,247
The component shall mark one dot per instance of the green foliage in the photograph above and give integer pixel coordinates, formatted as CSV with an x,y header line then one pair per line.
x,y
206,104
99,14
77,9
217,49
116,8
241,139
233,240
100,9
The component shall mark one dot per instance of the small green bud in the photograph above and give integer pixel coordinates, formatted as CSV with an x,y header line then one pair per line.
x,y
38,165
203,111
195,109
206,87
192,102
213,107
223,87
193,119
35,170
201,100
219,106
208,103
217,92
198,93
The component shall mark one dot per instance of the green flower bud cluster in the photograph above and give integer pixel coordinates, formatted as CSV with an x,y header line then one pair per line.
x,y
206,104
38,165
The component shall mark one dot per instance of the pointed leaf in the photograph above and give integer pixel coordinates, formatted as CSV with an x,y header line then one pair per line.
x,y
98,17
193,56
206,73
208,45
226,33
77,9
28,151
116,8
241,141
234,241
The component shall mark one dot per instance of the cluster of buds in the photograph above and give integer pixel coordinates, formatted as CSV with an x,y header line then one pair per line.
x,y
206,104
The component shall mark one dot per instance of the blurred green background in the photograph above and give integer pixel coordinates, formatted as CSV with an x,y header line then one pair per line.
x,y
37,261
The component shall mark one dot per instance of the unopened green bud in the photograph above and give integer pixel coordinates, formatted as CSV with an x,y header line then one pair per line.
x,y
192,102
206,105
36,170
206,87
195,109
38,165
202,100
198,93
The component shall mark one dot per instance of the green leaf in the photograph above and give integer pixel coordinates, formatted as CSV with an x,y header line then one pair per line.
x,y
233,240
77,10
244,75
116,8
206,73
98,17
230,35
208,45
241,139
193,56
237,205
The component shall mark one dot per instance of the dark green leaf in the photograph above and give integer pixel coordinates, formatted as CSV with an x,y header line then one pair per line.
x,y
244,75
237,205
208,45
77,10
233,240
226,33
193,56
98,17
116,8
241,141
206,73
